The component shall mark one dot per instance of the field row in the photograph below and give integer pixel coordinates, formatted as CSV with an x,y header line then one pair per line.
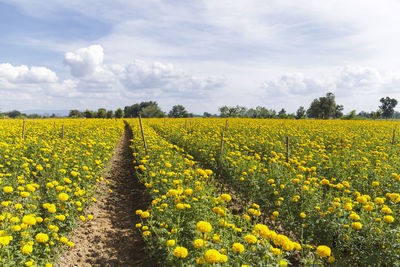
x,y
190,222
338,185
47,180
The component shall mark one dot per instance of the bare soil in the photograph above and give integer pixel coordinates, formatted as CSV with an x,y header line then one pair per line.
x,y
111,239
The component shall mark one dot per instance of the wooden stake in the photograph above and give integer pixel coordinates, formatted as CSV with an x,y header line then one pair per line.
x,y
394,135
341,141
222,144
23,129
164,121
185,124
63,135
144,139
226,125
287,149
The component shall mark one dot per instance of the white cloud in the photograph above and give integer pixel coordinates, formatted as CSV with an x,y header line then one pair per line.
x,y
23,74
85,61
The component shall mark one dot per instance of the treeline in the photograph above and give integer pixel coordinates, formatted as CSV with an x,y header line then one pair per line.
x,y
18,114
148,109
324,107
320,108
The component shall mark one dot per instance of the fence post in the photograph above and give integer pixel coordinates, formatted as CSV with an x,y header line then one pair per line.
x,y
144,139
63,135
222,144
394,135
23,129
287,149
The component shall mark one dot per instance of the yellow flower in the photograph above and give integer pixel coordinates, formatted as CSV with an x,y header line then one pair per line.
x,y
251,239
26,249
283,263
29,220
275,251
323,251
145,214
63,196
212,256
275,213
42,238
180,252
171,243
237,247
303,215
226,197
8,189
198,243
204,227
388,218
356,225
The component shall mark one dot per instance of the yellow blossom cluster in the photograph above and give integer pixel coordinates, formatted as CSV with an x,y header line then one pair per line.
x,y
47,179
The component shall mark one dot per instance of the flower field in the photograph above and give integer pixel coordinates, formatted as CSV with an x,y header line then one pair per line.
x,y
335,190
237,192
47,180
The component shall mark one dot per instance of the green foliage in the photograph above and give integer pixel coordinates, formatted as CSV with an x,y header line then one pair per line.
x,y
101,113
387,107
178,111
74,113
149,109
301,113
119,113
109,114
325,108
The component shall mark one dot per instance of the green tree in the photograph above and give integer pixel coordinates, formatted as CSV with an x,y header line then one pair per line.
x,y
300,113
282,114
234,111
14,114
109,114
89,114
387,107
178,111
75,114
101,113
339,111
324,108
119,113
152,111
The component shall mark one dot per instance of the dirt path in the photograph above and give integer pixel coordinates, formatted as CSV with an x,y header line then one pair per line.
x,y
111,239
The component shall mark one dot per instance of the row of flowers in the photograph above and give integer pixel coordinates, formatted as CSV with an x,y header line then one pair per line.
x,y
338,185
190,221
47,180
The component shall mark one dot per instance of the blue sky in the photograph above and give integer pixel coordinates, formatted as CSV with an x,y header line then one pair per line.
x,y
202,54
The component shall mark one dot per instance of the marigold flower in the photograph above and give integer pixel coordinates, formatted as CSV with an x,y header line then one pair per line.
x,y
171,243
204,227
180,252
226,197
251,239
323,251
8,189
212,256
63,197
356,225
26,249
41,238
198,243
237,247
388,218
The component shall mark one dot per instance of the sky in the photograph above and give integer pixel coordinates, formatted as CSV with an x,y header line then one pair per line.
x,y
62,55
